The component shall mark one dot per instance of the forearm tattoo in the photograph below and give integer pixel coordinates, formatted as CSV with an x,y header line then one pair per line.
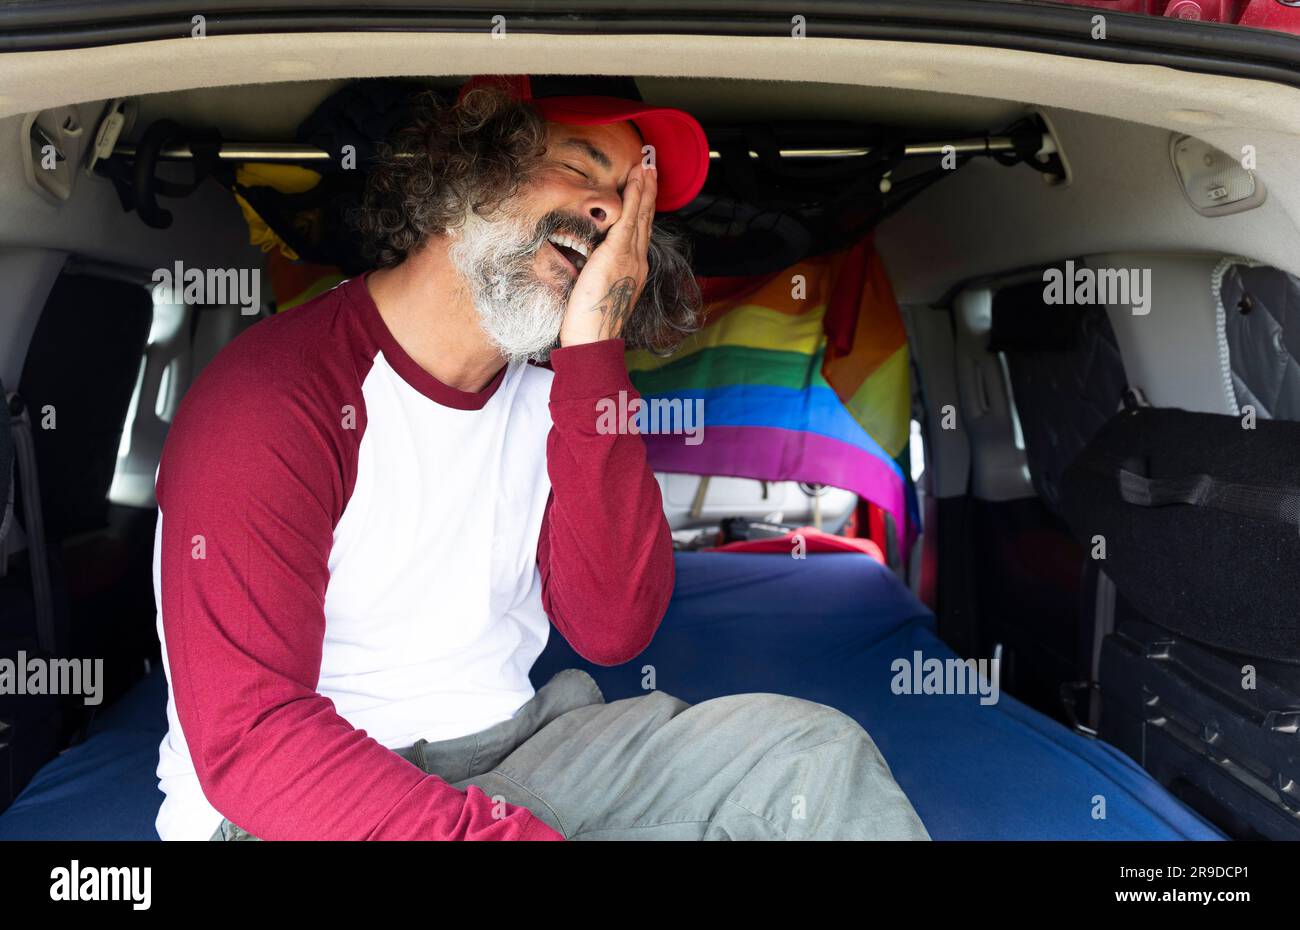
x,y
616,305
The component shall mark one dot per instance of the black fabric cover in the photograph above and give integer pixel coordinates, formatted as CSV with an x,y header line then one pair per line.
x,y
1262,326
1067,378
1221,578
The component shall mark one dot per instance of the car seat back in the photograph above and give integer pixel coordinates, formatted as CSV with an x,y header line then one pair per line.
x,y
1195,518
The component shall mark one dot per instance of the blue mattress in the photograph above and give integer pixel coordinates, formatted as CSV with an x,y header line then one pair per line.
x,y
104,788
826,629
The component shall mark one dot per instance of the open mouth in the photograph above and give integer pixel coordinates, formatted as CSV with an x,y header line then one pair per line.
x,y
574,251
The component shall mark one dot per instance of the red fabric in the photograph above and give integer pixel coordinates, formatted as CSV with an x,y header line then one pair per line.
x,y
291,279
605,553
841,317
814,540
724,287
877,529
256,466
851,526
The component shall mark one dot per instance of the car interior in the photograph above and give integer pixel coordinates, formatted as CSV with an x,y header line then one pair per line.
x,y
971,173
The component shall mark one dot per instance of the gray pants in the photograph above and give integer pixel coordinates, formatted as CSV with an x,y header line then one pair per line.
x,y
744,767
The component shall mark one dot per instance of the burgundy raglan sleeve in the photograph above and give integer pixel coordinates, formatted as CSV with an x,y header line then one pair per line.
x,y
251,484
605,552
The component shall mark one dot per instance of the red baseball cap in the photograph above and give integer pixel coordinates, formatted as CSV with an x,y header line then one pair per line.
x,y
681,149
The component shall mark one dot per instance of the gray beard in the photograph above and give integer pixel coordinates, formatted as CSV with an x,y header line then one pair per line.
x,y
520,313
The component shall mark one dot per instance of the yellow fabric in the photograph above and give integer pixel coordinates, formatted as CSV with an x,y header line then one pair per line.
x,y
749,326
876,402
287,179
320,287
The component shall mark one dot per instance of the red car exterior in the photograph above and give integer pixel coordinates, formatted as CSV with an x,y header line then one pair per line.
x,y
1277,15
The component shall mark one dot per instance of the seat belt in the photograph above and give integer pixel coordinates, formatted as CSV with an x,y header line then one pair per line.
x,y
7,521
20,428
7,483
1103,621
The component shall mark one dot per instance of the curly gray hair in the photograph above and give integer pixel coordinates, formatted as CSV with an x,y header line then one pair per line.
x,y
451,161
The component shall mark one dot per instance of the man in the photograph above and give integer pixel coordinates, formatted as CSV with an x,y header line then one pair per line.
x,y
373,507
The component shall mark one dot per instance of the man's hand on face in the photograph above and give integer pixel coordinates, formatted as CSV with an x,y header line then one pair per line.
x,y
610,283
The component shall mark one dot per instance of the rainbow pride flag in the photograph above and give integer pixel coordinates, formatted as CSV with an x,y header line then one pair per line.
x,y
802,375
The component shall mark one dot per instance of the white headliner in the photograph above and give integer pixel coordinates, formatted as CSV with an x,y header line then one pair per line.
x,y
1114,121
